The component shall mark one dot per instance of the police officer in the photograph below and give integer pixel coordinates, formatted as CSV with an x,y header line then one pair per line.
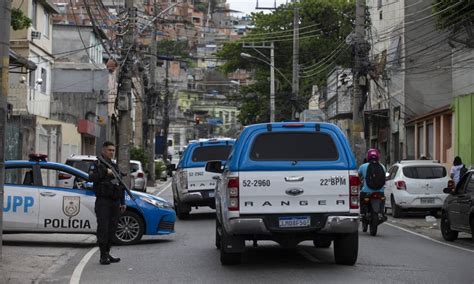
x,y
110,202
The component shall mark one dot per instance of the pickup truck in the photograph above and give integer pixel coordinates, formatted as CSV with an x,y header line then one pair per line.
x,y
192,186
288,182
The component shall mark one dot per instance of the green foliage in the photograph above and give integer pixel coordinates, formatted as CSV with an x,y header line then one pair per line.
x,y
139,154
454,14
18,20
330,21
159,168
201,7
173,48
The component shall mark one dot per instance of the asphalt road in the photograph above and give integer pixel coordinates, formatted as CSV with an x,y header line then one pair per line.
x,y
393,256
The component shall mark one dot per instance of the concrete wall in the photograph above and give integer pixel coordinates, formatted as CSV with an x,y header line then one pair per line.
x,y
463,73
72,80
69,39
428,81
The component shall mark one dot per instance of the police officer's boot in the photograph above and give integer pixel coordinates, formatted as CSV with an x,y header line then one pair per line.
x,y
104,259
111,258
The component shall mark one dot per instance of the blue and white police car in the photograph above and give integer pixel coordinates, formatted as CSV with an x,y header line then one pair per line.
x,y
35,201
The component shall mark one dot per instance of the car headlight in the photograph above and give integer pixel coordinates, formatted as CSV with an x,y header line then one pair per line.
x,y
157,203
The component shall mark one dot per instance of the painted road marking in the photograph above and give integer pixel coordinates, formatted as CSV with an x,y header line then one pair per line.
x,y
164,189
76,275
428,238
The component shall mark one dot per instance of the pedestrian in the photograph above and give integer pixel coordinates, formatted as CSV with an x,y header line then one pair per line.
x,y
457,170
109,203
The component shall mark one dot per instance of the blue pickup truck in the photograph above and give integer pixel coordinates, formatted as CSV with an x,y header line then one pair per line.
x,y
192,185
288,182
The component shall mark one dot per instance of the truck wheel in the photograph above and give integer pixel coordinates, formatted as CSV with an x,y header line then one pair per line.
x,y
322,243
346,248
218,236
396,210
181,211
228,258
446,231
130,229
374,222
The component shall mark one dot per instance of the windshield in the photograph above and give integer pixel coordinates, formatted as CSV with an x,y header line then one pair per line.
x,y
424,172
211,153
81,165
294,146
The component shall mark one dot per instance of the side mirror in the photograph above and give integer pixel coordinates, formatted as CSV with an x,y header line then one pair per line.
x,y
171,167
447,190
214,167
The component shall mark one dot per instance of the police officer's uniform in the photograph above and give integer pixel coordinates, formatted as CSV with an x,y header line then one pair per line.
x,y
110,195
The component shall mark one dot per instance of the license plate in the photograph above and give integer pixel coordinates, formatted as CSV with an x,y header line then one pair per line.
x,y
211,194
294,222
427,201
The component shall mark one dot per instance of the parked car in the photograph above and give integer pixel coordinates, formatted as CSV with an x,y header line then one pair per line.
x,y
288,182
83,162
457,214
138,176
415,185
37,202
192,186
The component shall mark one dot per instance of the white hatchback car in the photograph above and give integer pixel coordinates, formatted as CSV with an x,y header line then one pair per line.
x,y
416,185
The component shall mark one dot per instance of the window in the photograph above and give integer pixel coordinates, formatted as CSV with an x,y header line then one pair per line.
x,y
393,172
20,176
294,146
421,141
211,153
44,76
83,165
46,24
429,141
34,12
380,15
424,172
56,178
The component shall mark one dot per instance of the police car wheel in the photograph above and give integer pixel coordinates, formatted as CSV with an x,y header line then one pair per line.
x,y
130,229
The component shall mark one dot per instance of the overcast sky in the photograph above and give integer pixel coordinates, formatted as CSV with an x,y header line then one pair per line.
x,y
248,6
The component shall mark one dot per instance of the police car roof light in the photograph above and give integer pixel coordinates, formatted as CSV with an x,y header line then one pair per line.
x,y
38,157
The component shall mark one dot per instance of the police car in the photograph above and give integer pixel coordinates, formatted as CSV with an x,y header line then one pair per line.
x,y
36,201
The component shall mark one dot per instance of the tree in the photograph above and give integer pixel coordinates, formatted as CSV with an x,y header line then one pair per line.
x,y
324,26
18,20
456,16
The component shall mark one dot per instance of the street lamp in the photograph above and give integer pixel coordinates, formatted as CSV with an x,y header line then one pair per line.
x,y
272,78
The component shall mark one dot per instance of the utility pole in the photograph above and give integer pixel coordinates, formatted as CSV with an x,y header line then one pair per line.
x,y
151,115
166,117
360,82
5,7
125,93
296,55
272,83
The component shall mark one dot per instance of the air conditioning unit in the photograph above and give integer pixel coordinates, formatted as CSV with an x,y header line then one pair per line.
x,y
35,35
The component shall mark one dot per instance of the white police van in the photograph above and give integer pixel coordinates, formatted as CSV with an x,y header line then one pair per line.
x,y
35,201
288,182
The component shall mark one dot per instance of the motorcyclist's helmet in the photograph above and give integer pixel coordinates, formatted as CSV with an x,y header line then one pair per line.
x,y
373,154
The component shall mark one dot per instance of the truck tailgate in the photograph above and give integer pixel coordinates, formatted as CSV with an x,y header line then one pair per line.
x,y
293,192
199,179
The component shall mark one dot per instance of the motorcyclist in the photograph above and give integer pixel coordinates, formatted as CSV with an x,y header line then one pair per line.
x,y
373,156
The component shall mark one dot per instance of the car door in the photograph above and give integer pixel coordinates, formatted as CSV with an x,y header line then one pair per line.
x,y
65,209
21,201
464,201
454,207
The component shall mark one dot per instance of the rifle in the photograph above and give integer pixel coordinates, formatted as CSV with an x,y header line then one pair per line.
x,y
117,175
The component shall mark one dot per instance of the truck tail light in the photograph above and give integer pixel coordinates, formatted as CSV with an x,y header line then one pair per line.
x,y
183,179
354,186
233,194
401,185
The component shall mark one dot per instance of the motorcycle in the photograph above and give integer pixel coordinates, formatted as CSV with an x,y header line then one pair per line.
x,y
373,216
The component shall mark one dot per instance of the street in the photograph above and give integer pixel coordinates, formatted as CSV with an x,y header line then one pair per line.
x,y
189,255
